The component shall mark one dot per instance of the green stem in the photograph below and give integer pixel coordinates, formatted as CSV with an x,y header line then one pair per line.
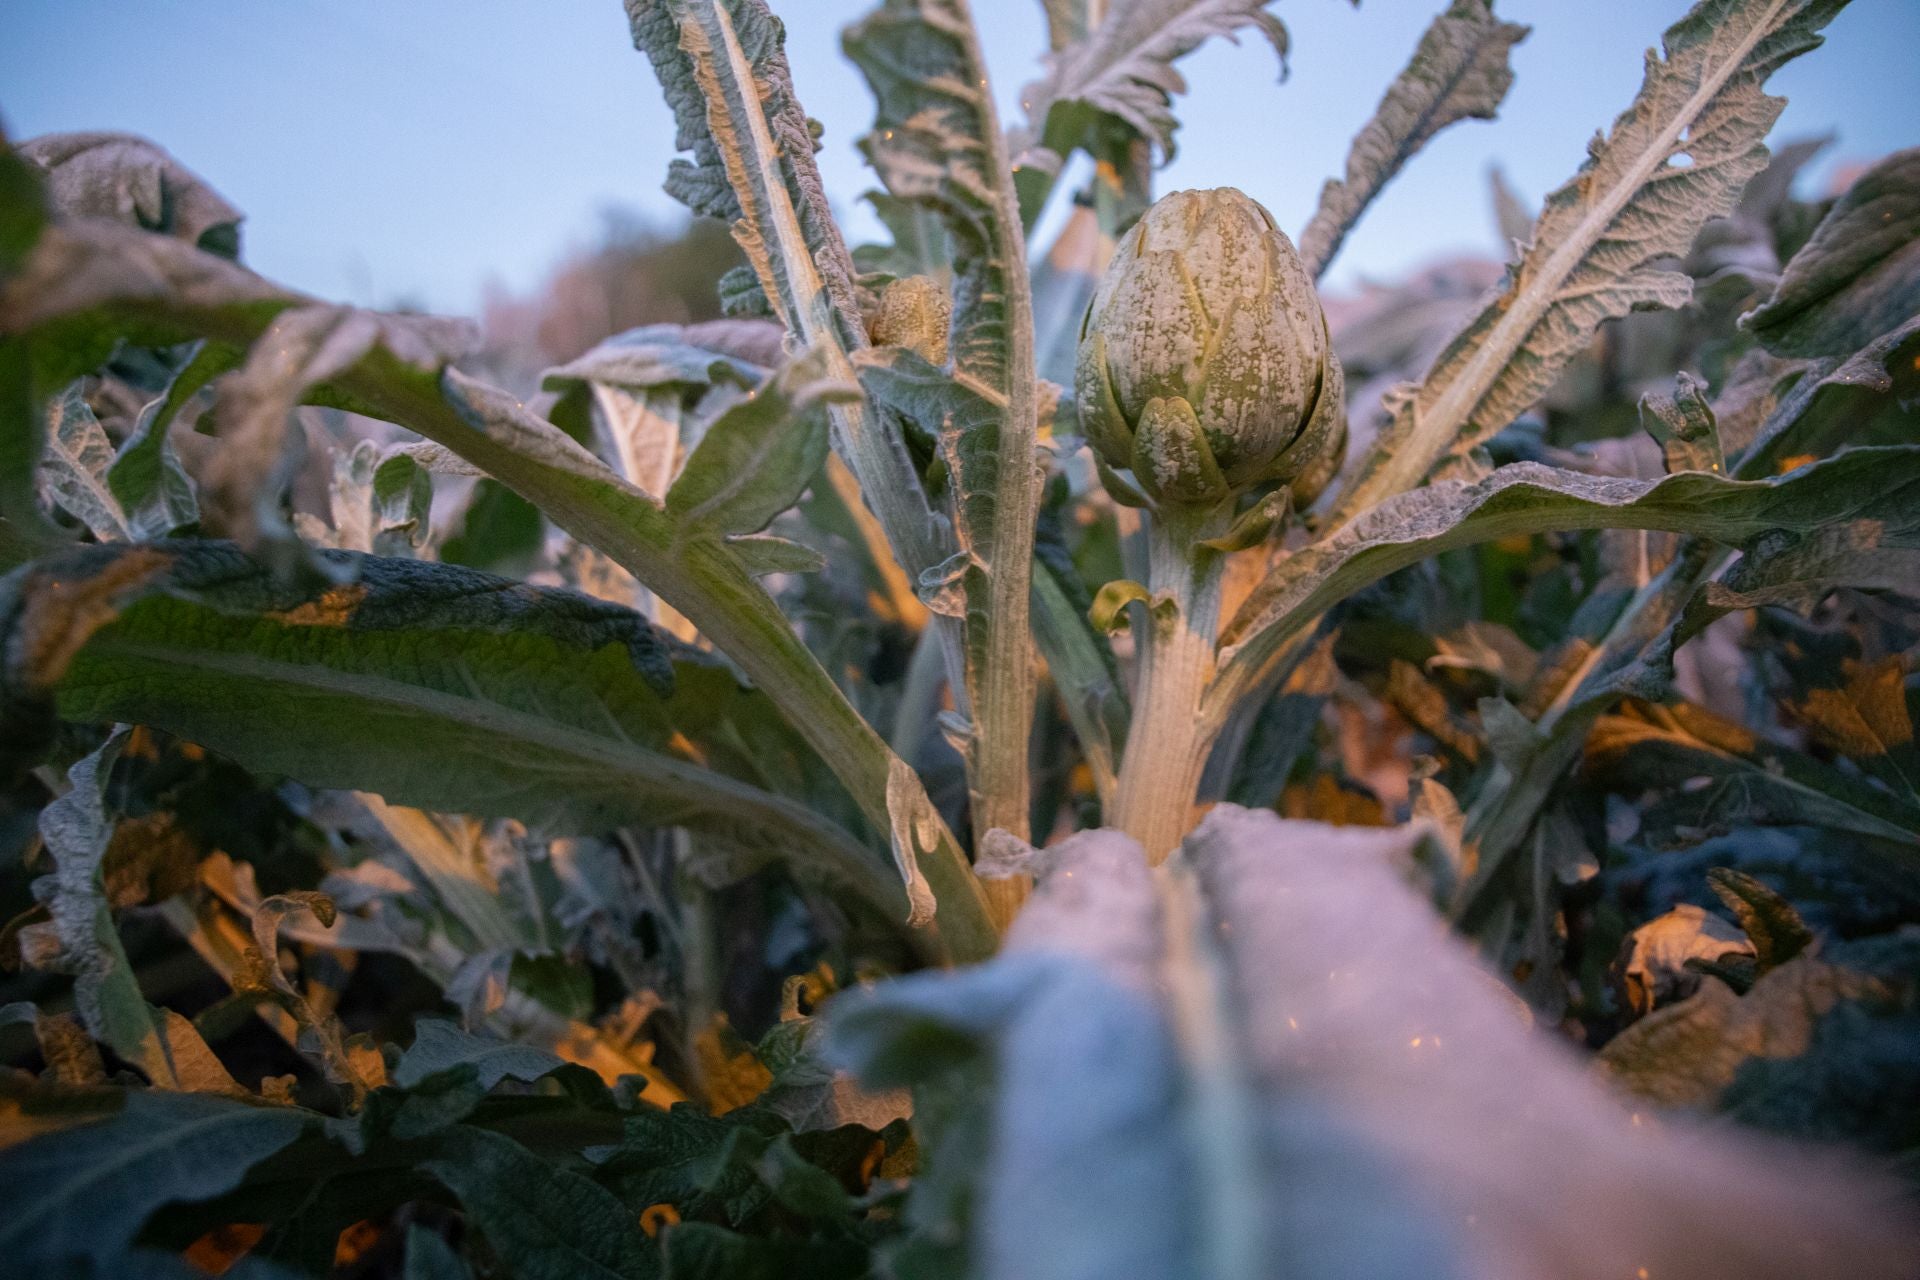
x,y
1167,742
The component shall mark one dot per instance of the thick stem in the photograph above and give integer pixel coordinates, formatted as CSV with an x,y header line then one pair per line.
x,y
1002,676
1167,742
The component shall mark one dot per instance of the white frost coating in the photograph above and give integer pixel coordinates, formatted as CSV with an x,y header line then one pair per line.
x,y
1360,1003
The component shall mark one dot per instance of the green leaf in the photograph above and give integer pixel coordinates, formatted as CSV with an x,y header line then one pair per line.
x,y
1683,424
89,285
498,530
1677,157
760,455
85,1192
1687,1054
723,68
1859,275
1123,67
440,1046
937,142
1756,782
73,470
1458,72
437,687
1872,484
1110,604
703,1251
77,827
147,477
1776,930
545,1223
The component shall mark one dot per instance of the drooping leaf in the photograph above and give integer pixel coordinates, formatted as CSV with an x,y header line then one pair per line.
x,y
83,941
1660,957
1872,484
1859,275
1866,719
1754,782
1678,156
1458,72
85,1192
433,686
1123,66
89,285
1776,930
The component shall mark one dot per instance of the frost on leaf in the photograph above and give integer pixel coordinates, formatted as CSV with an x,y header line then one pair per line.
x,y
1388,1073
1459,72
1677,157
1124,66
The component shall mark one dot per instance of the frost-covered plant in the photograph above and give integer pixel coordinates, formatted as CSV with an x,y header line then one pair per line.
x,y
756,658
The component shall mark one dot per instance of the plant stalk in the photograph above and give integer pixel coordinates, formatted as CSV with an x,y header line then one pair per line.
x,y
1167,743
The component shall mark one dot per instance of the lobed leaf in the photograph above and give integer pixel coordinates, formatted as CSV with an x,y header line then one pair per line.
x,y
1458,72
1677,157
1123,66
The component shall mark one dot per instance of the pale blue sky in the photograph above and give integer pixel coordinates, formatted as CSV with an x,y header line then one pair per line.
x,y
415,149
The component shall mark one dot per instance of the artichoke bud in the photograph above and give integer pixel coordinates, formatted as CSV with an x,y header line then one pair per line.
x,y
1205,367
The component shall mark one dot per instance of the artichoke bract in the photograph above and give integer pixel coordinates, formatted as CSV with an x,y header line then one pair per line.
x,y
1205,367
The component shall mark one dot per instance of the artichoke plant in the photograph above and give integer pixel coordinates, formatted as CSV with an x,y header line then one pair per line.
x,y
1204,365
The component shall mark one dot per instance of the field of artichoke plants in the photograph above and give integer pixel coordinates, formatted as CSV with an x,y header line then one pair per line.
x,y
995,759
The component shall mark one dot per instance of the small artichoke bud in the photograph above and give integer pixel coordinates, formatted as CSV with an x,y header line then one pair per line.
x,y
1204,366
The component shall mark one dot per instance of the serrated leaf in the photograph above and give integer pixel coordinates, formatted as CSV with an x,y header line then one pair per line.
x,y
84,1193
1677,157
1124,67
1859,275
77,828
723,67
1458,72
937,142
